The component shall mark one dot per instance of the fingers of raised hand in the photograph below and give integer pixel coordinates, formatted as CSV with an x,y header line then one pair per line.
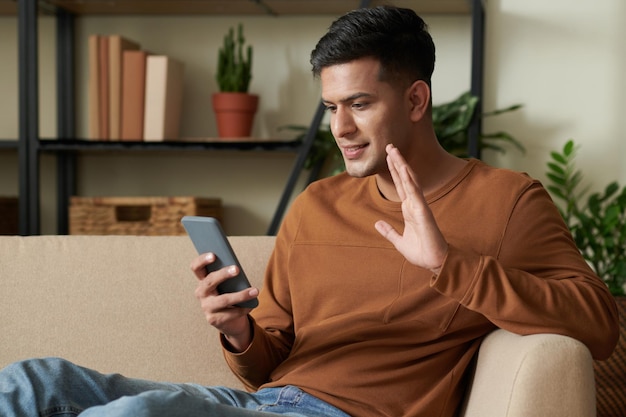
x,y
403,176
387,231
394,160
409,183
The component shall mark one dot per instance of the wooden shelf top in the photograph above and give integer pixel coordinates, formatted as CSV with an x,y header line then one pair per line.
x,y
233,7
241,144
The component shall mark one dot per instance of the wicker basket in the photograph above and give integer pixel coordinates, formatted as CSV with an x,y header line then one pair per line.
x,y
611,374
8,216
150,216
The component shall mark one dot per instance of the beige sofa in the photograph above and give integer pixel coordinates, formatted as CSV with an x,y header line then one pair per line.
x,y
126,304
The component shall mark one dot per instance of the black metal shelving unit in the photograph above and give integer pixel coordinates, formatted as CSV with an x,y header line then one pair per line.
x,y
28,148
66,148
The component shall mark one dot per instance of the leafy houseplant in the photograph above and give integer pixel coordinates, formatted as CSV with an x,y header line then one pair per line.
x,y
451,122
234,107
323,150
598,224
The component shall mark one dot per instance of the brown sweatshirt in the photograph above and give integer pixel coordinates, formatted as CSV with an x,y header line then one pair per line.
x,y
346,318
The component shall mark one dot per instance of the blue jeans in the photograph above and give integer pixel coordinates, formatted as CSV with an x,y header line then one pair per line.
x,y
55,387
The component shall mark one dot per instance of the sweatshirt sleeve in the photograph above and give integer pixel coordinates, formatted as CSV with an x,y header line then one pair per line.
x,y
537,283
254,366
272,321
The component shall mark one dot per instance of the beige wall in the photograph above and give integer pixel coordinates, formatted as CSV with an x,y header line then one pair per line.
x,y
564,62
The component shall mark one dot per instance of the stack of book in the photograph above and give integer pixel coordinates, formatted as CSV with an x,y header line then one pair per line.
x,y
134,95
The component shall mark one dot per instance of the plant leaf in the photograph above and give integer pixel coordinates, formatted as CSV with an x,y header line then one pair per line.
x,y
558,158
556,168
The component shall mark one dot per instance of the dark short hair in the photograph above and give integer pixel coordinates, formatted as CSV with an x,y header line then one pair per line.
x,y
398,38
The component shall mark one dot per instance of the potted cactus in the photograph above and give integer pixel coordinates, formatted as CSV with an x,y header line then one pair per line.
x,y
234,107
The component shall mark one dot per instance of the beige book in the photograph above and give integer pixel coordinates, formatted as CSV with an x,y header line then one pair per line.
x,y
163,99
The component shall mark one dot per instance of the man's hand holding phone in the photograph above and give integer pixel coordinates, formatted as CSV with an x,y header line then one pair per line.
x,y
224,291
220,310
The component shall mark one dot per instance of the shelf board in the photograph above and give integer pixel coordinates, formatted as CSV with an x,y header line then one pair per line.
x,y
49,145
339,7
232,7
160,7
8,144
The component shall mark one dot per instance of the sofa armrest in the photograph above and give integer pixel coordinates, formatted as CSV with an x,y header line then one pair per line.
x,y
535,375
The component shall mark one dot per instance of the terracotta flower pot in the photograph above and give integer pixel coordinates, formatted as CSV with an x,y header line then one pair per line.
x,y
234,113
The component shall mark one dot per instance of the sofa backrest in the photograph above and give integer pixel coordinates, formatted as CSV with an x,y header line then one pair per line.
x,y
114,303
126,304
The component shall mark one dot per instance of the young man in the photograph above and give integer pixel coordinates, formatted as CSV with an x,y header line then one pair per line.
x,y
384,280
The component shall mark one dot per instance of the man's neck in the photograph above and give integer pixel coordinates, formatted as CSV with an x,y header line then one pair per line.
x,y
432,174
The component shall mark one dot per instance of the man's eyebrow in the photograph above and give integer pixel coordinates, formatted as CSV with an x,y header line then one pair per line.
x,y
349,98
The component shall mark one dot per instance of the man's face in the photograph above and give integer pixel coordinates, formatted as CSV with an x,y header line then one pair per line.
x,y
365,115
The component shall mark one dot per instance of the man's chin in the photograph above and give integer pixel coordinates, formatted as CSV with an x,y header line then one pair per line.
x,y
358,172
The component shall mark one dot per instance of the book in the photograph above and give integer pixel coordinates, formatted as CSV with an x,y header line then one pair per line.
x,y
163,98
117,45
133,94
103,87
94,86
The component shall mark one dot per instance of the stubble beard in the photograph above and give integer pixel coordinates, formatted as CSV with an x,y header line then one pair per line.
x,y
362,169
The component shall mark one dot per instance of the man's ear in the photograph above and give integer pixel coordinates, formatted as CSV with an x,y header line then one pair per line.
x,y
419,98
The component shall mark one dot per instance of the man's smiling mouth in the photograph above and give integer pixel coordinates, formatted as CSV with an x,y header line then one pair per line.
x,y
354,151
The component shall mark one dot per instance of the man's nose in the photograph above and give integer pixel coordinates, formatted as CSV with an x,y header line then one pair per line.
x,y
342,123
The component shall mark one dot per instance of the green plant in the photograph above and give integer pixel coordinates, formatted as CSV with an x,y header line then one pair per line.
x,y
451,121
323,148
598,225
234,71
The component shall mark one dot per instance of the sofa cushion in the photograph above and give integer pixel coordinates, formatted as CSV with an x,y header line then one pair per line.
x,y
114,303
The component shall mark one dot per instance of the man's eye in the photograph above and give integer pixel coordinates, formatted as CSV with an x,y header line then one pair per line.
x,y
359,106
331,109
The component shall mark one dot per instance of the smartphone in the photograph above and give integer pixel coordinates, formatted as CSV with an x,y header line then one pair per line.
x,y
207,235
